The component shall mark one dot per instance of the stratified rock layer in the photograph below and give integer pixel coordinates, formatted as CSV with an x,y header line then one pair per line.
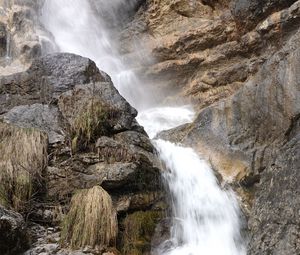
x,y
250,134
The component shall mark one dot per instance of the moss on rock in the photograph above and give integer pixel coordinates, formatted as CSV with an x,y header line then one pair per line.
x,y
139,228
91,220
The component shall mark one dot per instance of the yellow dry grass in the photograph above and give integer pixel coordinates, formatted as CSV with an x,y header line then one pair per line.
x,y
91,122
23,159
91,220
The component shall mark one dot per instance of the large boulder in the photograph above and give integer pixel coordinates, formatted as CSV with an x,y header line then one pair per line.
x,y
13,235
79,87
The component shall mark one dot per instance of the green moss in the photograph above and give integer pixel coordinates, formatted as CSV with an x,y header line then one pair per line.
x,y
139,228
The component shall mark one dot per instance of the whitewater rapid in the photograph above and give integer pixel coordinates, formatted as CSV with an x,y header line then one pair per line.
x,y
205,218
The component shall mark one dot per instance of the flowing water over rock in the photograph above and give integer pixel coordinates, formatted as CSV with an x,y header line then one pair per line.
x,y
205,217
78,30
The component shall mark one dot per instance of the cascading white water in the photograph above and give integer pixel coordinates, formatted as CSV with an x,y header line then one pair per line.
x,y
78,30
205,217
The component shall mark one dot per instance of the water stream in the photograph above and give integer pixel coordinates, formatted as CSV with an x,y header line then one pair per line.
x,y
205,218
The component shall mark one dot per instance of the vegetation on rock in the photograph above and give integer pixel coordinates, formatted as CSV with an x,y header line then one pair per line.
x,y
23,159
91,220
139,228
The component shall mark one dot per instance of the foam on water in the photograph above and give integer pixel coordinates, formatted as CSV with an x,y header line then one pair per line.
x,y
206,218
158,119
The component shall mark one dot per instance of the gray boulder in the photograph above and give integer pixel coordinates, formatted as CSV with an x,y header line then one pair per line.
x,y
13,235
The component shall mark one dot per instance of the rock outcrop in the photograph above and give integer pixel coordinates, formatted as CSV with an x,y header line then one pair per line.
x,y
93,141
22,36
201,52
238,63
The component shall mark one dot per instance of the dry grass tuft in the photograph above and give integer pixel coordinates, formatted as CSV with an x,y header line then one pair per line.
x,y
91,220
23,159
92,122
139,229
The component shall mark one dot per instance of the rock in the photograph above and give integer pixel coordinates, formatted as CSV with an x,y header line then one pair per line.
x,y
13,235
98,101
274,220
43,117
3,40
161,238
249,12
116,165
46,79
239,124
204,52
22,43
139,228
58,77
93,136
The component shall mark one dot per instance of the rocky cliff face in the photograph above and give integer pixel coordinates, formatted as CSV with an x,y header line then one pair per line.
x,y
238,63
203,50
70,142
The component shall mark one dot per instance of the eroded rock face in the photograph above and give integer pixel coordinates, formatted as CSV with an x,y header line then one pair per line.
x,y
238,62
20,40
203,52
249,12
252,139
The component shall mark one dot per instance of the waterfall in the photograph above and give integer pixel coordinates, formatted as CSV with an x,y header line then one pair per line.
x,y
77,29
8,48
205,218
